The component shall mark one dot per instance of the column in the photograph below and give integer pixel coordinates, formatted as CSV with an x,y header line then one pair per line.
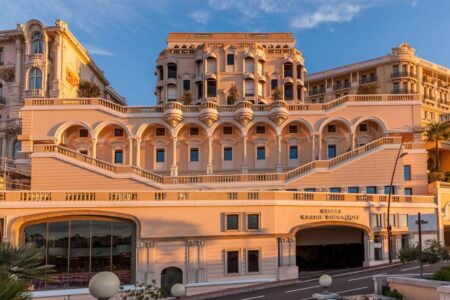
x,y
174,167
130,149
292,251
4,146
191,261
19,65
313,149
94,148
138,152
209,166
367,251
320,146
201,272
244,159
58,70
353,139
145,261
278,166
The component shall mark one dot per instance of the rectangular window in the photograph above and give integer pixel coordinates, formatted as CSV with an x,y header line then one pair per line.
x,y
160,153
252,261
363,127
84,152
160,131
335,190
199,90
172,70
118,156
407,172
293,129
211,88
309,190
253,222
230,59
227,153
293,152
118,132
387,190
378,247
227,130
84,133
403,220
260,129
232,262
194,155
408,191
371,190
261,153
353,190
392,220
194,131
331,151
273,84
331,128
376,220
232,222
186,85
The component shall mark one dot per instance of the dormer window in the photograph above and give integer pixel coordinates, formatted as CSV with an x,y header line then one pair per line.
x,y
37,45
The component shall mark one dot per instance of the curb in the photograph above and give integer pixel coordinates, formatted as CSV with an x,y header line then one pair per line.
x,y
257,287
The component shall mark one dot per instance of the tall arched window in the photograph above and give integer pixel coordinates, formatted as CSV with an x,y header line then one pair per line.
x,y
37,45
35,79
16,149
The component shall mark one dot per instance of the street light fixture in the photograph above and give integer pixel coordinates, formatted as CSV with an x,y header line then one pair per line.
x,y
178,290
389,227
104,285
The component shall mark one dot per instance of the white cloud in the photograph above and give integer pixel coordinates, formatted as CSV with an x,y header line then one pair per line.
x,y
200,16
94,50
339,13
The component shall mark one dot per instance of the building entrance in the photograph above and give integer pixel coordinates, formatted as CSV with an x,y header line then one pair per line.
x,y
329,247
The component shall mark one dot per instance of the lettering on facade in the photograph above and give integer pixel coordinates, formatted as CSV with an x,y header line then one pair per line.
x,y
71,77
330,214
123,196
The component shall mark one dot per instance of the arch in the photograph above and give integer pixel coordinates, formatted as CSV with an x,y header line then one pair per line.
x,y
376,120
327,121
224,122
293,231
141,129
104,124
62,128
271,124
199,123
17,224
300,120
169,277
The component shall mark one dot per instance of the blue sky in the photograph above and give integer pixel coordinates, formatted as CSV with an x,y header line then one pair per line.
x,y
125,36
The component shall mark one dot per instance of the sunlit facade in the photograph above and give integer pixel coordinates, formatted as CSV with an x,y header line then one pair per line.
x,y
224,182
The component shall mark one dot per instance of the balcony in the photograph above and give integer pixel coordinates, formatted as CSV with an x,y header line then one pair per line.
x,y
402,91
34,93
368,80
317,91
398,74
340,86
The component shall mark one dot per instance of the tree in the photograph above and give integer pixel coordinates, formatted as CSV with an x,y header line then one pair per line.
x,y
187,98
436,132
142,292
87,89
18,266
432,252
233,95
277,94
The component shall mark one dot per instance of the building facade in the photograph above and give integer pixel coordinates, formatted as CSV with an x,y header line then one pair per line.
x,y
237,176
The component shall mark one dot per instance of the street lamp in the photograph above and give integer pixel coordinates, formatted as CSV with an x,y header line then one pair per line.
x,y
389,227
178,290
104,285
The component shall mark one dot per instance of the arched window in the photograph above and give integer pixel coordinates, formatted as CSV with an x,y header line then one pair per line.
x,y
80,246
35,79
249,65
37,45
211,64
171,70
288,70
16,149
249,88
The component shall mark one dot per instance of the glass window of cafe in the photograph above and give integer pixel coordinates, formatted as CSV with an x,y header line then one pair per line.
x,y
80,247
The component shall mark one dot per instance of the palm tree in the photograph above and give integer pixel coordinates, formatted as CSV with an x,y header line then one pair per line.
x,y
437,132
18,266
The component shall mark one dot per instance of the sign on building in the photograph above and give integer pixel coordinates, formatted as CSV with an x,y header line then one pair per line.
x,y
428,222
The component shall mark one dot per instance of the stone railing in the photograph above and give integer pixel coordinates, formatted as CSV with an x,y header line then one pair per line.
x,y
218,178
220,108
86,196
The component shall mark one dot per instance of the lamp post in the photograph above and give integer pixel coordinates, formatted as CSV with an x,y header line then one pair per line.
x,y
178,290
389,227
104,285
325,281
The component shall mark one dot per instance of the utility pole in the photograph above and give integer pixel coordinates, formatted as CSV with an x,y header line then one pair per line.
x,y
419,223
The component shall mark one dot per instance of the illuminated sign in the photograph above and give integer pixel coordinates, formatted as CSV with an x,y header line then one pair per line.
x,y
71,77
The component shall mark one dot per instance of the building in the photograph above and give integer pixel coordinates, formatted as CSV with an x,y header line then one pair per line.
x,y
223,183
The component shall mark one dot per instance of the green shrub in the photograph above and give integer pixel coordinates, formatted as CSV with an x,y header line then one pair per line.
x,y
394,294
443,274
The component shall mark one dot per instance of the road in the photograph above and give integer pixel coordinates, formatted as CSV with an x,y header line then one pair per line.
x,y
345,285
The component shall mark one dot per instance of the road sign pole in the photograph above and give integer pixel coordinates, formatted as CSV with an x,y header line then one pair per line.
x,y
419,224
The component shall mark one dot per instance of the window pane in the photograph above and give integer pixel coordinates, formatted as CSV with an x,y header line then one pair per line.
x,y
232,222
230,59
228,153
159,155
335,190
79,252
101,246
353,189
293,152
121,250
261,153
232,262
273,84
253,221
194,154
186,84
408,191
371,190
118,156
253,260
331,151
37,234
288,92
211,88
407,172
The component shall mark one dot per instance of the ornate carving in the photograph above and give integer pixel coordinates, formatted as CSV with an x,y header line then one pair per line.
x,y
244,119
209,119
278,118
173,120
7,74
